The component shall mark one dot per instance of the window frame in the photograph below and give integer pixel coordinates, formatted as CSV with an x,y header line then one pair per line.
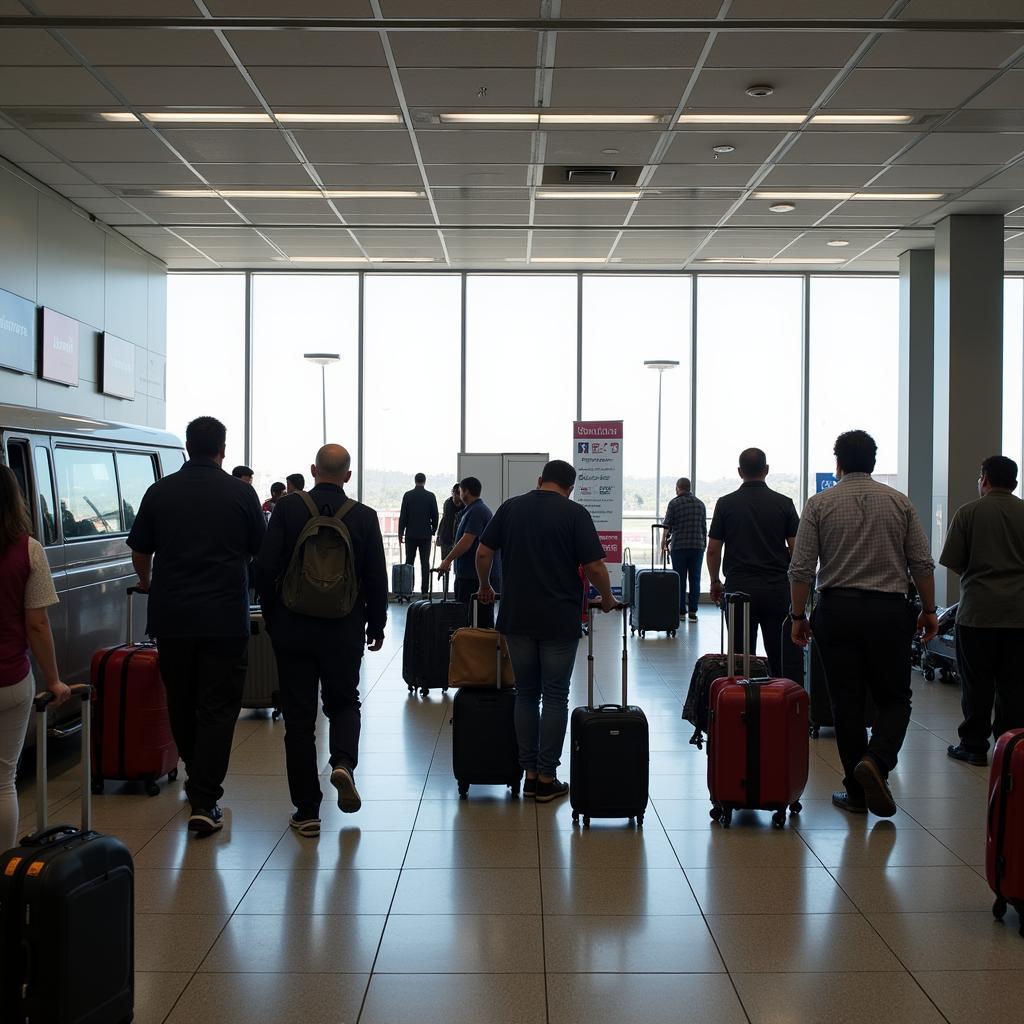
x,y
112,452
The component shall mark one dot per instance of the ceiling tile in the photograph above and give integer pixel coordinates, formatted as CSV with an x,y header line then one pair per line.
x,y
458,89
56,174
639,8
362,88
255,174
585,147
104,144
58,86
809,8
465,49
18,147
704,175
31,46
965,148
929,176
628,49
957,10
1013,177
796,89
797,176
845,147
180,86
462,8
696,146
123,173
308,49
470,145
120,8
141,47
1004,93
783,49
618,88
940,50
295,8
381,147
914,89
230,145
370,175
477,174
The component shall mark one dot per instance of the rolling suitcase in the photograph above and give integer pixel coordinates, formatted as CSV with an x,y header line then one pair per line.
x,y
485,750
655,604
1004,839
66,912
132,740
402,579
262,691
628,578
429,626
609,752
938,656
758,750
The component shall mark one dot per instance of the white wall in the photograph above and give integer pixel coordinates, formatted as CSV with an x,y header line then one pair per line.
x,y
53,255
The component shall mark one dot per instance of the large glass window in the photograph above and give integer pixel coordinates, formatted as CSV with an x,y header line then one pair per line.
x,y
88,493
44,487
854,369
521,363
294,314
206,354
412,382
1013,368
136,475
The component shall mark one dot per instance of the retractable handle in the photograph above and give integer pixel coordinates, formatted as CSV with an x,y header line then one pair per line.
x,y
590,658
131,592
655,527
474,604
40,703
445,577
731,601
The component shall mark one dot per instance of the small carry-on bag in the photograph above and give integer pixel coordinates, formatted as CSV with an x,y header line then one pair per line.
x,y
1004,843
429,626
485,750
402,579
472,660
132,740
262,690
628,578
610,756
655,604
758,748
66,912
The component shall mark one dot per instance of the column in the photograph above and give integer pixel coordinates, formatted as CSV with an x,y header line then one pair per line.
x,y
968,406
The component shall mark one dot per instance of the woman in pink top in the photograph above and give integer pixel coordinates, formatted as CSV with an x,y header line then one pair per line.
x,y
26,589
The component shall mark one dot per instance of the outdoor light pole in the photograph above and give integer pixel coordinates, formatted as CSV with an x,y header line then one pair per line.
x,y
661,365
323,360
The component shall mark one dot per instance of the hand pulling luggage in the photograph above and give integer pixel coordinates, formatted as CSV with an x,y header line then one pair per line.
x,y
609,751
628,578
429,626
1004,842
938,656
402,580
262,690
656,600
472,660
66,912
758,749
485,750
132,740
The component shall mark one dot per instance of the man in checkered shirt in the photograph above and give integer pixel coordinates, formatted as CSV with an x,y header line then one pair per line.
x,y
686,536
861,538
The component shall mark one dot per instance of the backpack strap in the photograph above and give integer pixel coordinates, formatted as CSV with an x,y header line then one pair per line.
x,y
346,507
310,504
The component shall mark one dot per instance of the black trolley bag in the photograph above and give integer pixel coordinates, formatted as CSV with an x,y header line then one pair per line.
x,y
429,626
609,752
66,911
656,592
485,750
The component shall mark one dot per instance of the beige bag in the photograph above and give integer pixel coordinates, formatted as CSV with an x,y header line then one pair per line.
x,y
477,656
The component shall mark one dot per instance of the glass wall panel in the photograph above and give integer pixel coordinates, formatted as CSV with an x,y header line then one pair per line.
x,y
854,369
521,363
1013,368
293,314
206,354
411,386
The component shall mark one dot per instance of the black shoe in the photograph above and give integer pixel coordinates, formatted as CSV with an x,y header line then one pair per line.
x,y
205,821
877,795
693,616
348,796
550,790
960,753
530,787
307,825
842,800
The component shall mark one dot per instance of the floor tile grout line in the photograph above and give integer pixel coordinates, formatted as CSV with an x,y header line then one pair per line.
x,y
543,930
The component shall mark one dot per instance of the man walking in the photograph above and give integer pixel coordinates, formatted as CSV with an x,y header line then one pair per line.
x,y
319,631
449,521
862,538
294,482
985,546
417,523
757,528
686,536
191,543
543,538
475,517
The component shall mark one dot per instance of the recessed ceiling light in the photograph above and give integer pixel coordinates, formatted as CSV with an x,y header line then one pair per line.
x,y
779,261
622,194
760,91
186,193
490,118
611,151
722,150
896,197
782,208
205,117
119,115
837,243
531,117
862,119
361,259
288,193
374,193
753,118
317,118
568,259
841,196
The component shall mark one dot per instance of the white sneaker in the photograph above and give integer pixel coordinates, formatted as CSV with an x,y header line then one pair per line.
x,y
349,800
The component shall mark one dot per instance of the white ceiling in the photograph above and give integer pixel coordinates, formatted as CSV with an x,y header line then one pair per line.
x,y
479,207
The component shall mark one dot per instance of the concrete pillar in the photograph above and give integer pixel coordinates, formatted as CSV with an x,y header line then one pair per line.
x,y
968,403
917,375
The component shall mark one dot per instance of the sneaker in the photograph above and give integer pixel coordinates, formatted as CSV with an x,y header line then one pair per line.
x,y
877,795
842,800
348,796
306,825
961,753
550,790
693,616
530,787
205,821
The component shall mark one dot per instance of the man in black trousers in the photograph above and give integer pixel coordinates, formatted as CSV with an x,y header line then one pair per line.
x,y
417,524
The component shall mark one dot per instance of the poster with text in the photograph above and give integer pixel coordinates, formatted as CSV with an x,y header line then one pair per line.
x,y
59,348
597,456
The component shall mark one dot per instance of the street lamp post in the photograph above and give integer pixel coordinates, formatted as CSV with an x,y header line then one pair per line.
x,y
323,360
661,365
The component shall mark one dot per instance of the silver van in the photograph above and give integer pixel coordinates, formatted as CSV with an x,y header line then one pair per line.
x,y
83,480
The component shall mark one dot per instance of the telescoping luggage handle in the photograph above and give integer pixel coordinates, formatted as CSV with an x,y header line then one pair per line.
x,y
731,601
474,603
131,592
590,661
655,527
41,702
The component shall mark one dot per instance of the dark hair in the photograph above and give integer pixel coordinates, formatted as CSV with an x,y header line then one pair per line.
x,y
753,462
276,488
242,471
855,451
560,473
455,488
1001,471
683,483
472,485
420,478
297,480
205,437
14,518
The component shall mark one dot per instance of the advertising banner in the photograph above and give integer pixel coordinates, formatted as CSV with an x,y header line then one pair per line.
x,y
60,348
17,333
118,367
597,456
823,481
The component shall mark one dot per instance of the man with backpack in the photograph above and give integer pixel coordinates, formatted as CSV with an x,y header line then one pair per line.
x,y
323,584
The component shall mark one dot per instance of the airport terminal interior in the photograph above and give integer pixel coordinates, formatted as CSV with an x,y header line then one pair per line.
x,y
436,231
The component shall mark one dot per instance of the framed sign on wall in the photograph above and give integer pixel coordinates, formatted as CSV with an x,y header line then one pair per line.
x,y
17,333
117,376
60,348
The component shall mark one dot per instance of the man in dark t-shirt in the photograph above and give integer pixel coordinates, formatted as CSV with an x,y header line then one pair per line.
x,y
543,538
757,527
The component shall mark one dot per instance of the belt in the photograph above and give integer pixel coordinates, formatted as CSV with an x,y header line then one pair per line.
x,y
858,593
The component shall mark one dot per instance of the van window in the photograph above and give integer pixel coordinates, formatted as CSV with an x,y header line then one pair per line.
x,y
16,462
44,485
88,493
136,474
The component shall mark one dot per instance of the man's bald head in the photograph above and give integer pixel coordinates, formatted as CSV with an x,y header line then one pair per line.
x,y
333,465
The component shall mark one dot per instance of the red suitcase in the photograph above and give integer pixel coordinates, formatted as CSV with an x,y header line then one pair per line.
x,y
132,738
758,746
1004,844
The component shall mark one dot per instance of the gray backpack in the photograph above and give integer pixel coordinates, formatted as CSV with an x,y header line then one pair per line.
x,y
320,580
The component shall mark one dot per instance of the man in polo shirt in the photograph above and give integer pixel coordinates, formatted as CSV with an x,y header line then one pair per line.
x,y
191,542
757,527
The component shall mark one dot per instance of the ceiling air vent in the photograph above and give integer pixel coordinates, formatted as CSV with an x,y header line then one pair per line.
x,y
591,177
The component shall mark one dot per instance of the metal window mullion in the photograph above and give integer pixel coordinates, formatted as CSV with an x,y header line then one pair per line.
x,y
805,389
462,366
247,414
361,364
693,380
579,346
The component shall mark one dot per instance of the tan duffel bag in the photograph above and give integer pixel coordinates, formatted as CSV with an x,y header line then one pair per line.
x,y
479,656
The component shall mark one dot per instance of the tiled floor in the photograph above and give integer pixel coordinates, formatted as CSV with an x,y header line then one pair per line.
x,y
426,909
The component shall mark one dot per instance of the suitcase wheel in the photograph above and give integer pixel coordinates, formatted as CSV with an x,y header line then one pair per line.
x,y
643,633
929,674
999,908
463,790
275,714
172,775
726,818
715,813
515,786
815,731
640,821
796,808
424,691
412,690
97,786
152,788
586,821
779,819
575,816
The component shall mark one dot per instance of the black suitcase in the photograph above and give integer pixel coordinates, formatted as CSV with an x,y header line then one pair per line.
x,y
610,752
655,604
429,626
66,913
938,656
